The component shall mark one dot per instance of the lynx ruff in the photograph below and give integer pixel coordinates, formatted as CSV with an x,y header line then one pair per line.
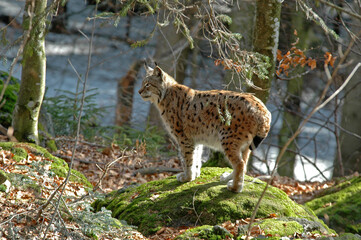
x,y
231,122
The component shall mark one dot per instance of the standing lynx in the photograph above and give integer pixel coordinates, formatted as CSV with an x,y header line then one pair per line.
x,y
231,122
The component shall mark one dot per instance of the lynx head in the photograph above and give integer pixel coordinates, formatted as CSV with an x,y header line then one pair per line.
x,y
155,84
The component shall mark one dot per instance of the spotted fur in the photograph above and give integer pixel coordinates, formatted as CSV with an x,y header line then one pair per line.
x,y
231,122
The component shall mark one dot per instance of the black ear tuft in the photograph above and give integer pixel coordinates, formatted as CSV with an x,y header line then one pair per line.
x,y
157,71
148,69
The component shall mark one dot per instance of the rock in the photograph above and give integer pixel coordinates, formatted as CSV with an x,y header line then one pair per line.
x,y
58,165
204,201
340,206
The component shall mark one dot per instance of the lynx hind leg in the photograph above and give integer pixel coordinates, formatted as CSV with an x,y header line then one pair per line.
x,y
226,176
191,168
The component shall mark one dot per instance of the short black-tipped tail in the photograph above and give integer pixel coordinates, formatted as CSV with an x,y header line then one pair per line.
x,y
256,141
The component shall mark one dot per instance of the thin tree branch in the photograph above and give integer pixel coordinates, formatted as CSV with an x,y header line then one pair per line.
x,y
341,9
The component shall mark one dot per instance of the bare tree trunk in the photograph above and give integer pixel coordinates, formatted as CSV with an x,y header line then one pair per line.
x,y
125,93
32,87
266,32
350,161
351,121
291,103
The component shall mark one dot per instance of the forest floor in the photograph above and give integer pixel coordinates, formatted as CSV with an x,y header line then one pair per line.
x,y
128,167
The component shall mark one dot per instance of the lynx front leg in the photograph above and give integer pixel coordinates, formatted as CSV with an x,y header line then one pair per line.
x,y
239,164
191,168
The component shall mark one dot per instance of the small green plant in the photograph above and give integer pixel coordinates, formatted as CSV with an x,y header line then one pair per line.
x,y
64,110
9,98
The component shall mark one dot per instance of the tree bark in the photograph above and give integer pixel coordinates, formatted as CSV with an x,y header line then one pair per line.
x,y
266,34
350,161
351,121
32,87
291,103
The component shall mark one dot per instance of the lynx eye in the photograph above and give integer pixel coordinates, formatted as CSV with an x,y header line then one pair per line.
x,y
147,85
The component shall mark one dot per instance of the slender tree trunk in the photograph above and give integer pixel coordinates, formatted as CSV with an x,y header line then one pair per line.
x,y
350,161
32,87
291,103
265,42
351,122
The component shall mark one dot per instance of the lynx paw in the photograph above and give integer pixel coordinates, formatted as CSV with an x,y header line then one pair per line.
x,y
183,177
225,177
197,173
235,187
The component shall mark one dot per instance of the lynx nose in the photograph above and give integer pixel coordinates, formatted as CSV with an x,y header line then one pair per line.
x,y
140,91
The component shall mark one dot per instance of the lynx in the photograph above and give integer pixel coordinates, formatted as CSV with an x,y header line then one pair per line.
x,y
231,122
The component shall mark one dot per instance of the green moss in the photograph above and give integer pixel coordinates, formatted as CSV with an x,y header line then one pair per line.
x,y
51,145
217,159
19,153
344,236
205,200
3,188
48,142
280,227
3,176
61,168
205,232
342,205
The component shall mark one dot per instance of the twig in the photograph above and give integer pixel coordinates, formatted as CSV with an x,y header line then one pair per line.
x,y
106,169
75,159
341,9
16,215
194,209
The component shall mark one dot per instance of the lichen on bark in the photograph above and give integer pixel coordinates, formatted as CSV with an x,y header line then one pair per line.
x,y
265,42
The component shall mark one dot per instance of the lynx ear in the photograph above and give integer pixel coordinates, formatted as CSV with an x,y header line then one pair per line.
x,y
157,72
148,69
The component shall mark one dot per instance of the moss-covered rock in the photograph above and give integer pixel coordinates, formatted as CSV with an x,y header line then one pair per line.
x,y
341,205
3,177
205,200
58,165
206,232
19,153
